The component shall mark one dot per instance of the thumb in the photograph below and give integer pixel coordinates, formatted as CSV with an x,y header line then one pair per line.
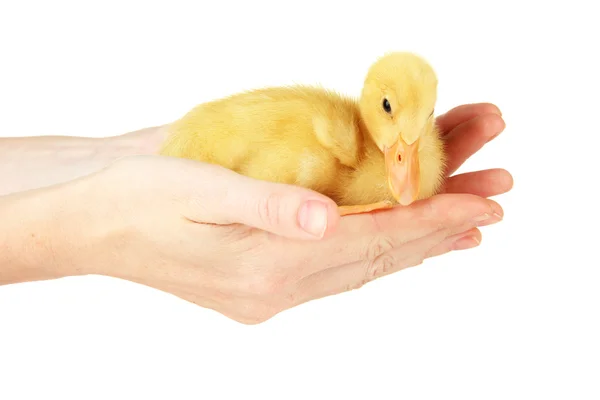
x,y
286,210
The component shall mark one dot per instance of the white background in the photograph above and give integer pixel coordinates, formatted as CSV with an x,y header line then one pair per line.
x,y
516,318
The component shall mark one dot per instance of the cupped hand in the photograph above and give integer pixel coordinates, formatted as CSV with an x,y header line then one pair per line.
x,y
250,249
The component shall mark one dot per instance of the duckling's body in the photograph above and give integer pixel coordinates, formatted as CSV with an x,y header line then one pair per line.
x,y
306,136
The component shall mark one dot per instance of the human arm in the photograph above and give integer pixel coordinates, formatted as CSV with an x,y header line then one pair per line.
x,y
178,226
33,162
28,214
28,235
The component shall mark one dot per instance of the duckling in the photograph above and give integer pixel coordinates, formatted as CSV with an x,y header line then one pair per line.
x,y
366,154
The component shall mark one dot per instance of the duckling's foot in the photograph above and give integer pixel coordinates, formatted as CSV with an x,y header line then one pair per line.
x,y
364,208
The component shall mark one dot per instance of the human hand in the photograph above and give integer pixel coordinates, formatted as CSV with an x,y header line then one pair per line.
x,y
466,129
233,244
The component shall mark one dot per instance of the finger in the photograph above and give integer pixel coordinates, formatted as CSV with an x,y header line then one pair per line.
x,y
458,115
355,275
290,211
486,183
462,241
366,236
466,139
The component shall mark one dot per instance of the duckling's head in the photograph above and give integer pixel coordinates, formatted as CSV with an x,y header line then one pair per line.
x,y
397,104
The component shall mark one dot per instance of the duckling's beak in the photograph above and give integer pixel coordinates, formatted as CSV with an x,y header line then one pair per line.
x,y
402,167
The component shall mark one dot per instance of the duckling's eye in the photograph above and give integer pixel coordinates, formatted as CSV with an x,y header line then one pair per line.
x,y
386,106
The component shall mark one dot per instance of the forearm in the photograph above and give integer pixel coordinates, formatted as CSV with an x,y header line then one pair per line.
x,y
34,162
28,235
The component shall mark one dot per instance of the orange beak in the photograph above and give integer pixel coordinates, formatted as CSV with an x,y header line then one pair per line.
x,y
402,167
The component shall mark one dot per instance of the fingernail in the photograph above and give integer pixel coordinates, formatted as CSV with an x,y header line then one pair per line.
x,y
466,243
313,218
487,219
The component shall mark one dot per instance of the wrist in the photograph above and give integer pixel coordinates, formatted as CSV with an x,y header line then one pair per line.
x,y
145,141
28,237
52,232
45,227
35,162
103,151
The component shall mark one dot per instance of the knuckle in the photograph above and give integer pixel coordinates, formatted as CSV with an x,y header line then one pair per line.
x,y
431,209
430,212
269,209
466,210
386,264
380,266
444,213
377,246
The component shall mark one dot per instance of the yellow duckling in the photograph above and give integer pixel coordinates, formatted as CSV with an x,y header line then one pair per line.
x,y
368,154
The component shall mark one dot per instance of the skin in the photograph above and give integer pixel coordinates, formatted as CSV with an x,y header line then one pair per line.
x,y
176,225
